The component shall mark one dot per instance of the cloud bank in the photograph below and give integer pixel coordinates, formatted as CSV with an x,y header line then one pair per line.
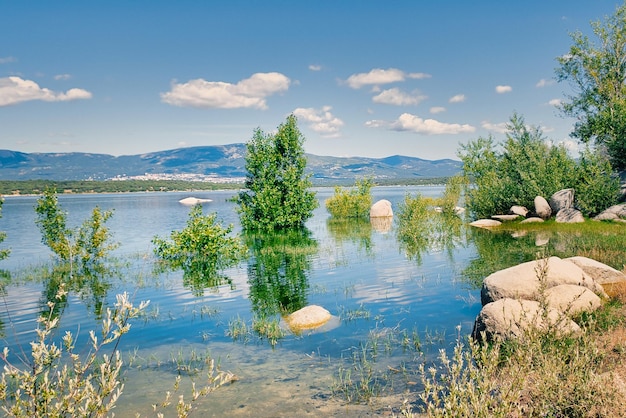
x,y
248,93
321,120
14,90
379,76
413,123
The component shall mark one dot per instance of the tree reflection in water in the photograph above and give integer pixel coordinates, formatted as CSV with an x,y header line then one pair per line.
x,y
422,228
356,230
278,270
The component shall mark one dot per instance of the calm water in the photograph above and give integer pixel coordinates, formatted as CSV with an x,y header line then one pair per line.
x,y
362,275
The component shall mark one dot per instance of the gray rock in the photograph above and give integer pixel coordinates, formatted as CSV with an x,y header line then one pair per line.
x,y
532,219
569,216
542,208
485,223
563,199
511,318
519,210
381,209
613,213
599,272
571,299
523,280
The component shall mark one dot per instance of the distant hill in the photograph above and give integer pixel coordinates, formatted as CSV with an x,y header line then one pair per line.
x,y
223,161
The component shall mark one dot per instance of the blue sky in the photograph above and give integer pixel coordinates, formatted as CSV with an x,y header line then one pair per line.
x,y
364,78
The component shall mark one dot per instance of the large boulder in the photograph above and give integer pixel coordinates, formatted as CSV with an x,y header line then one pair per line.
x,y
523,281
569,216
614,213
510,318
612,281
563,199
571,299
542,208
381,209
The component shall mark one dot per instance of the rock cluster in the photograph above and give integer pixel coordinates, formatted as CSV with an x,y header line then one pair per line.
x,y
545,294
560,205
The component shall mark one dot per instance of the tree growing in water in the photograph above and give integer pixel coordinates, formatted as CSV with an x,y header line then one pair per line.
x,y
277,194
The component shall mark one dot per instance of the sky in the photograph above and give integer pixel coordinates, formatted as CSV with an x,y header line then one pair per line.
x,y
364,78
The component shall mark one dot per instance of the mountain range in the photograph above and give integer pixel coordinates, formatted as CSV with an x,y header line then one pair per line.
x,y
220,161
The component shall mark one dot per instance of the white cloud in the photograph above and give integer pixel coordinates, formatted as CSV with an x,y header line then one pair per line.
x,y
250,92
459,98
555,102
62,77
437,109
503,89
500,128
15,90
398,97
544,83
315,67
413,123
6,60
379,76
321,120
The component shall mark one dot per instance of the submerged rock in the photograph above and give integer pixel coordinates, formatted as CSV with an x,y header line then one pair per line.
x,y
309,317
381,209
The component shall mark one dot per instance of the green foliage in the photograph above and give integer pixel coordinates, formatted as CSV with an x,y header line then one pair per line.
x,y
421,228
202,249
278,271
598,76
277,194
5,252
351,203
596,186
528,166
87,245
60,381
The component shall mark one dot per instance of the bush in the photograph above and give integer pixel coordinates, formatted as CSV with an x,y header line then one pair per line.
x,y
529,166
351,203
203,245
87,245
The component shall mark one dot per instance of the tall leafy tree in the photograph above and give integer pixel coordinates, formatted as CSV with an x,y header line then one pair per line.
x,y
597,72
277,194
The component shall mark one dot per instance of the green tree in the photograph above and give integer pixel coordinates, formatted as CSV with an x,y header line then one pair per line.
x,y
87,245
597,72
277,194
351,203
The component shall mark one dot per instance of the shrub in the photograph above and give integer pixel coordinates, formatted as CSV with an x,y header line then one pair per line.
x,y
57,381
351,203
86,245
529,166
204,244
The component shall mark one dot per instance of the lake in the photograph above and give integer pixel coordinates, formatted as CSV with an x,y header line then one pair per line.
x,y
394,307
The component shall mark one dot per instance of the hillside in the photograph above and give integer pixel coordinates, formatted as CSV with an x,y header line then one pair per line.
x,y
221,161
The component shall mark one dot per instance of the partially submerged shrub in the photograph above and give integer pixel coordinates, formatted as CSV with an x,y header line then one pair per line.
x,y
86,245
351,203
203,244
